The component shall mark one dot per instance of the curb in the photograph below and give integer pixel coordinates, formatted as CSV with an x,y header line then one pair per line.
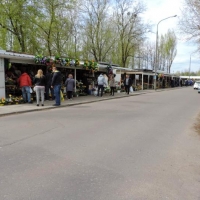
x,y
85,102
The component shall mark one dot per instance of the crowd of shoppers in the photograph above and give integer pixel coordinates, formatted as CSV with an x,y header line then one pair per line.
x,y
52,82
42,85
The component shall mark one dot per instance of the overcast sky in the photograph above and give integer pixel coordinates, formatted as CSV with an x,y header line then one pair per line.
x,y
160,9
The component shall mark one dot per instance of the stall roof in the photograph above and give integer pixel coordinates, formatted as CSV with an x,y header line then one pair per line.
x,y
190,77
17,57
104,65
9,54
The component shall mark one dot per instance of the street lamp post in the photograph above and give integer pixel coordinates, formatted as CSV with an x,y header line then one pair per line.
x,y
190,63
156,58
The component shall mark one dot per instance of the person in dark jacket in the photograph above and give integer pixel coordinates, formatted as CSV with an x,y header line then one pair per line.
x,y
69,84
56,85
40,82
48,88
127,84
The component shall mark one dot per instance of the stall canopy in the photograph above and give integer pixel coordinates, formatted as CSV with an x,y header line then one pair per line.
x,y
17,57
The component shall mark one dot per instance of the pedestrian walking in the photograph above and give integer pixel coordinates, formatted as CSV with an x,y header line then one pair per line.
x,y
127,84
70,85
48,88
40,82
101,82
112,84
25,84
56,85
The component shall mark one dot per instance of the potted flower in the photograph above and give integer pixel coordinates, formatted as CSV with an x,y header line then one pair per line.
x,y
76,94
2,101
86,65
57,59
77,63
67,60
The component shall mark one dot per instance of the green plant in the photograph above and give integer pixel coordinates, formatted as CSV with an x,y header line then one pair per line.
x,y
107,90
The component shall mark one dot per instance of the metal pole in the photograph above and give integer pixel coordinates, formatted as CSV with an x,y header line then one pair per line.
x,y
75,78
142,81
156,58
190,65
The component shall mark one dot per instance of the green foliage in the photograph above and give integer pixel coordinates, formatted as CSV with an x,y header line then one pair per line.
x,y
167,50
188,73
72,28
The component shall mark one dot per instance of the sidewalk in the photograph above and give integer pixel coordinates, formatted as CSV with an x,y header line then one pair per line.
x,y
23,108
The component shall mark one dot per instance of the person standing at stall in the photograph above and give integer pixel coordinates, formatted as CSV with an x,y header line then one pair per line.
x,y
25,83
101,82
48,88
70,85
39,82
56,85
112,84
127,84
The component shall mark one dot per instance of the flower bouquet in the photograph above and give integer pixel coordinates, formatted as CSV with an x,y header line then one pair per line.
x,y
77,63
67,60
38,59
2,102
57,59
86,65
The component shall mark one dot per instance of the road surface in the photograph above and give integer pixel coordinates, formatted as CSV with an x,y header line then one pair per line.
x,y
138,148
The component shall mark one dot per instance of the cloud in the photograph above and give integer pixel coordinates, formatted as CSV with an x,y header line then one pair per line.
x,y
161,9
182,60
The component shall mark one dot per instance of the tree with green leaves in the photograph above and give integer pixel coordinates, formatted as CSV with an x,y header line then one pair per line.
x,y
130,29
189,22
97,31
167,50
53,25
14,22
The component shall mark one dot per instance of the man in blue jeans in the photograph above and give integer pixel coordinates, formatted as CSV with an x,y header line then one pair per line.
x,y
25,83
56,85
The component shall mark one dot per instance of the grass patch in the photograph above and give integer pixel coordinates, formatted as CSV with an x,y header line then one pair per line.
x,y
197,125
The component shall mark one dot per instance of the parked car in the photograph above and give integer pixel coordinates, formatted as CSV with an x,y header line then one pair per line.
x,y
196,85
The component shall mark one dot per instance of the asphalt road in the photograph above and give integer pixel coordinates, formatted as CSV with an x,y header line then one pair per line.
x,y
136,148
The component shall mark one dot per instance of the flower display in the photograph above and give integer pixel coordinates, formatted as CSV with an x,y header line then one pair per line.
x,y
48,61
161,76
93,65
38,59
57,59
67,60
2,102
77,63
88,65
62,62
11,100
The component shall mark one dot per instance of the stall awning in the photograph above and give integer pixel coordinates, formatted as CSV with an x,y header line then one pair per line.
x,y
17,57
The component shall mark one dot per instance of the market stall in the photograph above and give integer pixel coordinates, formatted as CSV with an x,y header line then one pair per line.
x,y
12,63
